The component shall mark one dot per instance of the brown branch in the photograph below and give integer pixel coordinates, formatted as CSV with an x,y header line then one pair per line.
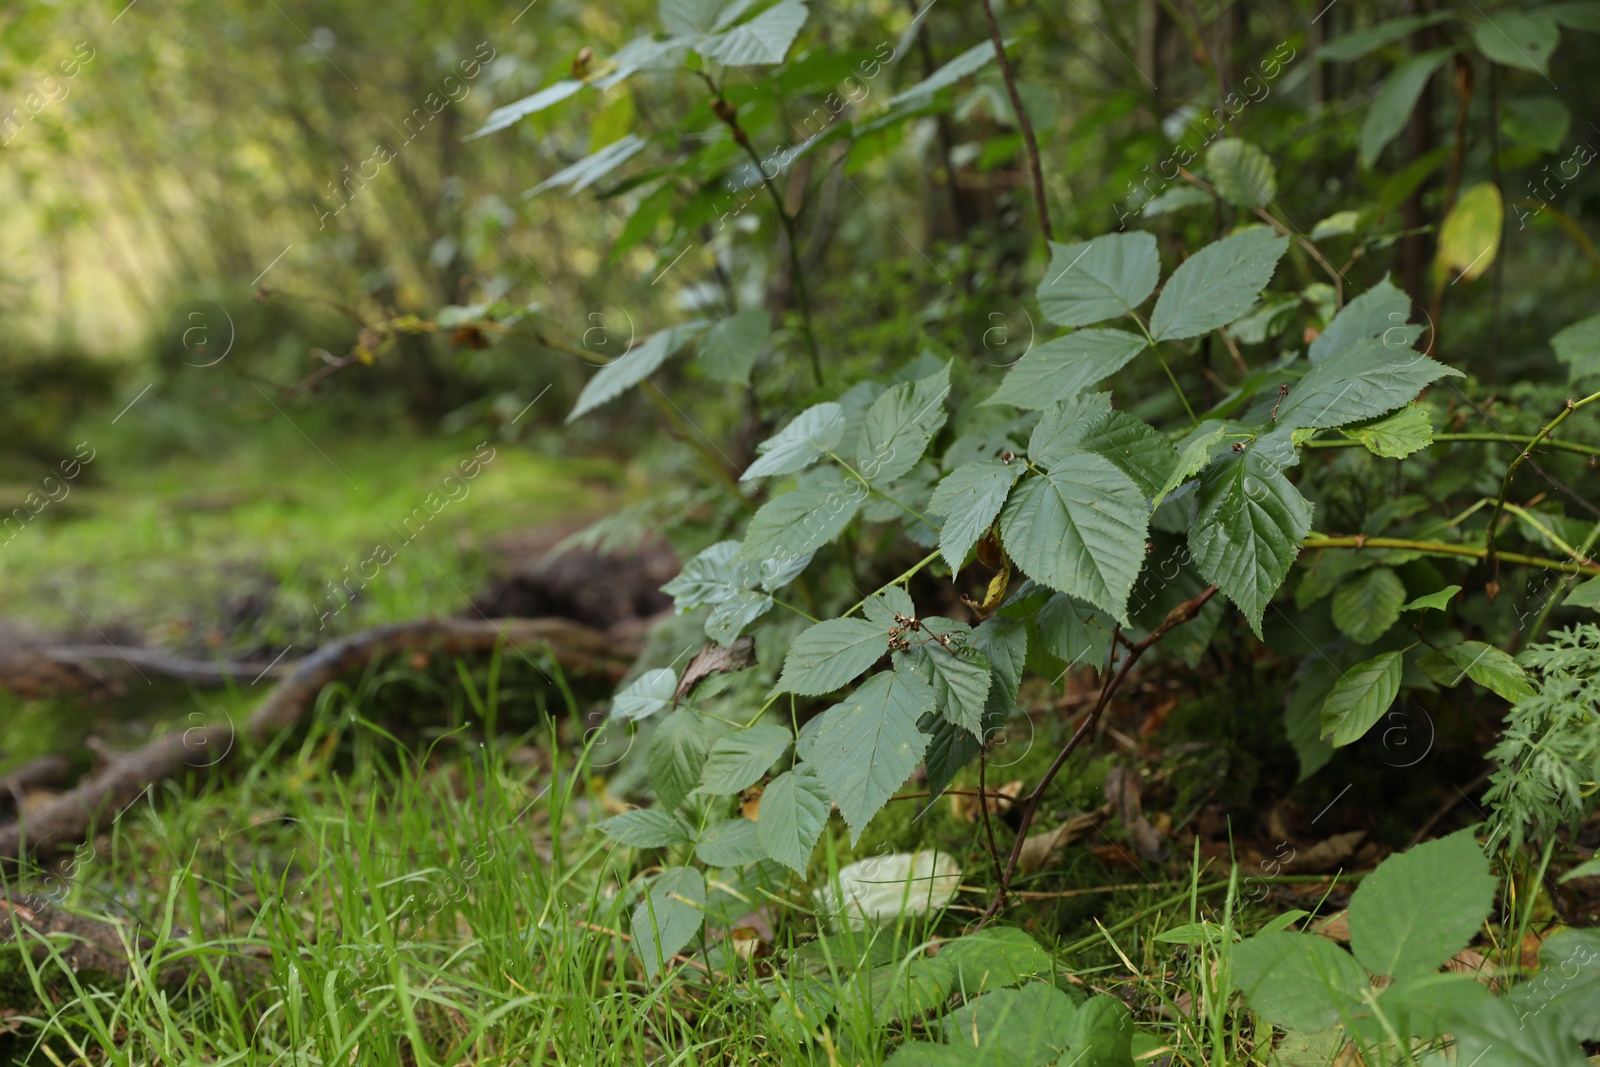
x,y
69,817
1030,804
1022,121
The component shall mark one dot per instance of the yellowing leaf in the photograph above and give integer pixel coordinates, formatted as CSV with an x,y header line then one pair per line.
x,y
1470,236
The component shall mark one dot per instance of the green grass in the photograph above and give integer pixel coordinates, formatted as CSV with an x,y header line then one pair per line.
x,y
244,548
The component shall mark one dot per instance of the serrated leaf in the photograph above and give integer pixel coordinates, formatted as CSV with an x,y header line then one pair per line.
x,y
1515,39
732,615
1392,107
590,169
1105,278
677,755
1030,1025
1382,312
1216,285
804,519
950,748
1394,436
1498,1034
868,746
1246,531
832,654
764,39
1568,982
1421,907
798,445
1061,428
631,368
645,695
1195,455
730,348
794,810
669,916
647,828
1484,664
995,957
899,426
1363,381
1437,601
960,679
1469,238
738,760
885,604
731,843
1135,447
1064,367
1367,606
1299,981
1241,173
969,498
1074,632
1359,698
1578,346
506,115
971,61
1079,529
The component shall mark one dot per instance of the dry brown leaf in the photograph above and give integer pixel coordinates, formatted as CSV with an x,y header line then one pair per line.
x,y
1329,854
716,659
1037,849
1336,928
1472,964
966,807
750,803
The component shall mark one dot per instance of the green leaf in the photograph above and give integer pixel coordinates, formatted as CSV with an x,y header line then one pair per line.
x,y
738,760
868,746
588,170
1298,981
1498,1034
1359,698
1357,43
731,843
1578,346
1339,224
668,917
631,368
1437,601
1574,14
1568,982
798,445
1541,121
1134,447
960,680
969,498
1079,529
1061,428
1367,606
1396,100
1073,632
645,695
764,39
884,605
1062,368
831,655
1105,278
1586,595
647,828
1216,285
1380,312
995,957
804,519
1514,39
1302,715
729,349
905,990
1363,381
506,115
1421,907
1469,239
1102,1033
794,810
1246,531
1484,664
1241,173
677,755
732,615
1030,1025
971,61
1197,449
899,426
1394,436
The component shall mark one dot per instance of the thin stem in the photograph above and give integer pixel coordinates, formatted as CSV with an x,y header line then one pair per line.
x,y
988,823
1163,361
1443,548
666,408
1505,483
1560,592
802,296
1487,438
1022,121
868,486
929,558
